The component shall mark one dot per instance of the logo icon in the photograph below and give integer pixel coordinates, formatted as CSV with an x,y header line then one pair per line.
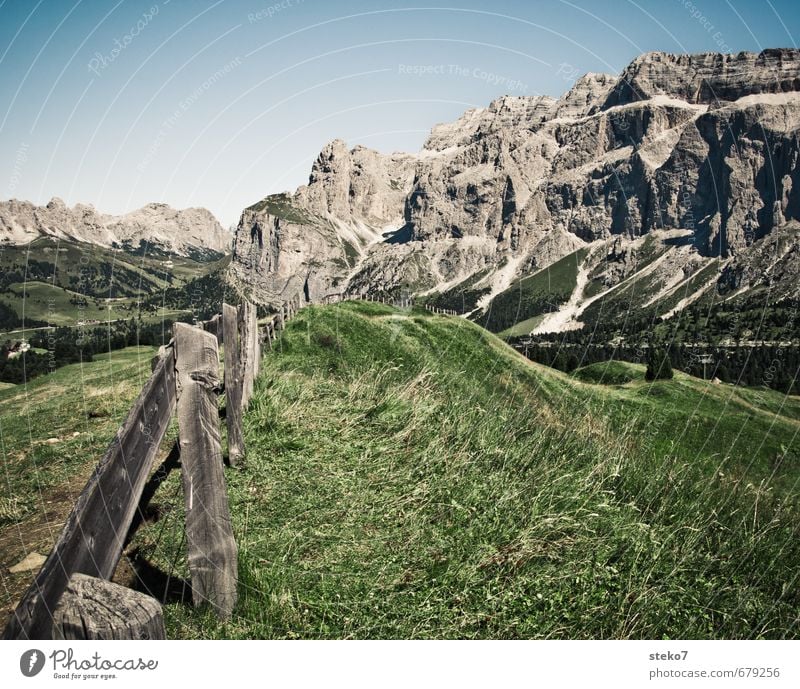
x,y
31,662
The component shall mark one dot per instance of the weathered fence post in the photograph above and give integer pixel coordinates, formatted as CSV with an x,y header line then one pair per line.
x,y
268,334
93,608
245,325
255,345
233,385
212,551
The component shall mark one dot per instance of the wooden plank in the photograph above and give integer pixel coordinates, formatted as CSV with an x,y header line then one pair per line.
x,y
93,536
268,334
212,551
233,386
94,608
246,321
255,344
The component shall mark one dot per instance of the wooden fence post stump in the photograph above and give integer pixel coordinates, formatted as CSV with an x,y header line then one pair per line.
x,y
212,551
93,608
233,386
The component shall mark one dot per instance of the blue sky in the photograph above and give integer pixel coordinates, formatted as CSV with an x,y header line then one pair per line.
x,y
218,103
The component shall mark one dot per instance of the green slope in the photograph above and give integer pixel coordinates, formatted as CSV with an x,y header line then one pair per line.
x,y
68,281
410,475
534,295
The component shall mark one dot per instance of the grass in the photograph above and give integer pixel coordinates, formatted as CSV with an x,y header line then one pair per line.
x,y
411,476
76,405
51,304
535,294
522,328
609,373
281,206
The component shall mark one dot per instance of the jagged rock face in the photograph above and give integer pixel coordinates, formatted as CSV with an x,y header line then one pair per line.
x,y
278,255
586,95
357,185
190,232
309,242
707,145
503,114
707,77
773,263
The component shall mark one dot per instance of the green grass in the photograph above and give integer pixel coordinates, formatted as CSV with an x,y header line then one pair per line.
x,y
411,476
51,304
535,294
78,408
281,206
522,328
609,373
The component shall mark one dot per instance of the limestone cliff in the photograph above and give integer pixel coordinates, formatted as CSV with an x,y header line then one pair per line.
x,y
697,152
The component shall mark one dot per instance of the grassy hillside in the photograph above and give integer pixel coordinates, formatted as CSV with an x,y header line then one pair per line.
x,y
63,282
410,475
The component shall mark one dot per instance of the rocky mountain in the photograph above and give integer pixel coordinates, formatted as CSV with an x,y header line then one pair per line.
x,y
674,181
193,232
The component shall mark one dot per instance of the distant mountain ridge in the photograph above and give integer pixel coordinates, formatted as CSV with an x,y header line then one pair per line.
x,y
191,232
696,154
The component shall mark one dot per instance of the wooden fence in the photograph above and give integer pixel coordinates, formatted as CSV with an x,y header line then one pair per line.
x,y
72,596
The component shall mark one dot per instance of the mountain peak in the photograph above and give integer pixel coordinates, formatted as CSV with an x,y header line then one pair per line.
x,y
56,203
704,78
193,231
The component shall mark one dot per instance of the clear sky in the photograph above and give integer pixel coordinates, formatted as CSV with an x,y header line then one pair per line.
x,y
217,103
